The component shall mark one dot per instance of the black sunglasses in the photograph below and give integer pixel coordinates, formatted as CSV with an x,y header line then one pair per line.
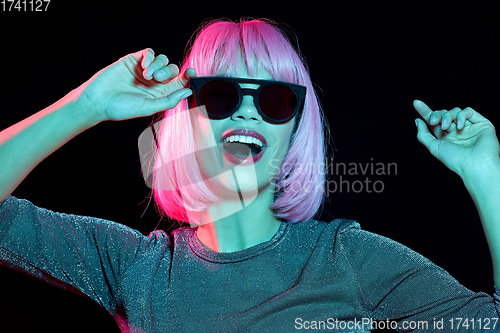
x,y
277,102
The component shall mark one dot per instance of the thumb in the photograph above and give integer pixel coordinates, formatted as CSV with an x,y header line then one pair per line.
x,y
426,138
167,102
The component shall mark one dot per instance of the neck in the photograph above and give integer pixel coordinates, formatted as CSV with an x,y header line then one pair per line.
x,y
246,227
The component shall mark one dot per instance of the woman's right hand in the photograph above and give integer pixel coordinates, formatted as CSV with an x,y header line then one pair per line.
x,y
136,85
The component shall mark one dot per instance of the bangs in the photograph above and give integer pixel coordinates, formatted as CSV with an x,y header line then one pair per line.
x,y
244,48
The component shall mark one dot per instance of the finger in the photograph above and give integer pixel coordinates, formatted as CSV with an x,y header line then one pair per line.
x,y
422,109
436,117
166,73
148,55
461,119
464,117
181,81
159,62
436,120
168,102
188,74
448,120
433,118
473,116
426,138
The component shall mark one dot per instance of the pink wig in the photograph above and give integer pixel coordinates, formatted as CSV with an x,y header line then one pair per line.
x,y
299,184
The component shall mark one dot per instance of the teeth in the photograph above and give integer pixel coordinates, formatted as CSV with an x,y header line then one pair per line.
x,y
243,139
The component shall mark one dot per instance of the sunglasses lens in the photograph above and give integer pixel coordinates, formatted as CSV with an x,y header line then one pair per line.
x,y
219,97
277,101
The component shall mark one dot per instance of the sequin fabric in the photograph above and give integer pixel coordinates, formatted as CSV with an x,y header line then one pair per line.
x,y
319,276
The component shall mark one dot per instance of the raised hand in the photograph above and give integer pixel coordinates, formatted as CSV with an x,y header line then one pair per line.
x,y
463,140
136,85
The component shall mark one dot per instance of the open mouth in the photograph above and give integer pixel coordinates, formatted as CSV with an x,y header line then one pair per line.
x,y
239,145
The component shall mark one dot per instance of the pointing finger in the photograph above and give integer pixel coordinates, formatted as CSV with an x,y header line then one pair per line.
x,y
422,109
181,81
188,74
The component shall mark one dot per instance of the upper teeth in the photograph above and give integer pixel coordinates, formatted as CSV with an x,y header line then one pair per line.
x,y
243,139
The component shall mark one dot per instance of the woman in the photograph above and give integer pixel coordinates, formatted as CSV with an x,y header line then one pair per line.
x,y
231,162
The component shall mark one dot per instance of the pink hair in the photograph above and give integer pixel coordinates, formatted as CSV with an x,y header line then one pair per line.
x,y
216,51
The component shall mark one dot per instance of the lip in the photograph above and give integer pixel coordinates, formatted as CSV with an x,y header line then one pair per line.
x,y
242,160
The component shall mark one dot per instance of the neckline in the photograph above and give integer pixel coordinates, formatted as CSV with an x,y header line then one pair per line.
x,y
226,257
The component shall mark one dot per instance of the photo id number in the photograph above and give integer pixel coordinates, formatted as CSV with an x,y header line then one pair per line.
x,y
25,5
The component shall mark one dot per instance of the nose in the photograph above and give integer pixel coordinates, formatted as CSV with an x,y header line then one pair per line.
x,y
247,111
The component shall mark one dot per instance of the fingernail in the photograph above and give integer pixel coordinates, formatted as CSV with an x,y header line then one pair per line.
x,y
416,123
149,72
459,124
146,63
444,123
187,94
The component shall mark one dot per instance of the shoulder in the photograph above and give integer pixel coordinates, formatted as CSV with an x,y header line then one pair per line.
x,y
361,247
181,234
346,237
326,229
319,234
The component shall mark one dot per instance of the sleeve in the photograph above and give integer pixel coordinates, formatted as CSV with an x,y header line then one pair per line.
x,y
400,285
80,254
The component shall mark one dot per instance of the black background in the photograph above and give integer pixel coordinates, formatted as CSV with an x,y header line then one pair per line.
x,y
369,62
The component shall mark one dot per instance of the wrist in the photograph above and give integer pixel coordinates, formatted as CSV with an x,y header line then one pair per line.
x,y
81,108
482,174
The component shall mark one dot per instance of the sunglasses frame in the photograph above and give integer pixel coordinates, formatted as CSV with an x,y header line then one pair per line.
x,y
196,83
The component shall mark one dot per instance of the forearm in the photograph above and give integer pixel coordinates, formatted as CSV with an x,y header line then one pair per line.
x,y
118,92
484,187
27,143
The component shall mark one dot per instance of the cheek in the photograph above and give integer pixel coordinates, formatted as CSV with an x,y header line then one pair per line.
x,y
203,131
285,135
276,155
205,144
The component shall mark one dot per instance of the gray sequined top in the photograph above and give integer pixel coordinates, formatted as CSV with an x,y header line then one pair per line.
x,y
320,276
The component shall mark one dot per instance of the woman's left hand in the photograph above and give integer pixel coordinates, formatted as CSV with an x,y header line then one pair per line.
x,y
463,140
